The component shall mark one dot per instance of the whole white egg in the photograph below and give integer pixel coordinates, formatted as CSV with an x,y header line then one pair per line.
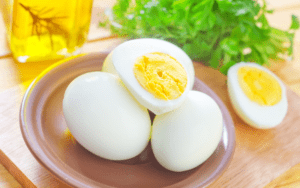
x,y
184,138
121,62
104,117
108,65
259,88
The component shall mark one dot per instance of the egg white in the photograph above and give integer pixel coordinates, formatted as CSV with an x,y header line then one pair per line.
x,y
257,116
123,57
108,65
187,136
104,117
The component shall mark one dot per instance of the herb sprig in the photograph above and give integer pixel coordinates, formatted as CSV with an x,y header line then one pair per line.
x,y
219,33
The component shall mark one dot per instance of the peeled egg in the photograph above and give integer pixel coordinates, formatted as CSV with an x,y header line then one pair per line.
x,y
108,66
257,95
157,73
104,117
187,136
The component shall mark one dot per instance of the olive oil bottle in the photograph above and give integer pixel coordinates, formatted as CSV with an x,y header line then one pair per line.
x,y
48,29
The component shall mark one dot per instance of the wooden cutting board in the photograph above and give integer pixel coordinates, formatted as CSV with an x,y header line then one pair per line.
x,y
260,155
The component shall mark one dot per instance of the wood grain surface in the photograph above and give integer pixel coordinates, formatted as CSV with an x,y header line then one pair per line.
x,y
269,158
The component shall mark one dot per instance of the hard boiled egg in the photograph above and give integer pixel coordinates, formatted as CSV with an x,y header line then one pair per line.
x,y
157,73
258,96
104,117
187,136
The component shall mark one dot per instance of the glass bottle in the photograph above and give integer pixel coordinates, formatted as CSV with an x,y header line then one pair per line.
x,y
40,30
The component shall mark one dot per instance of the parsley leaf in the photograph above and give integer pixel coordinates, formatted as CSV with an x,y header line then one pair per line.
x,y
216,32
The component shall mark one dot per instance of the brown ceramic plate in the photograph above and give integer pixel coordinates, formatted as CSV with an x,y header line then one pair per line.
x,y
45,132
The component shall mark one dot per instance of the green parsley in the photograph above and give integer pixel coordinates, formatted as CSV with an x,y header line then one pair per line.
x,y
219,33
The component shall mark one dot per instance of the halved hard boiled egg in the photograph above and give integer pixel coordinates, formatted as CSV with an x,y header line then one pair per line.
x,y
157,73
257,95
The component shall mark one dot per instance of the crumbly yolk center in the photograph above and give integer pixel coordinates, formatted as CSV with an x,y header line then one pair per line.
x,y
161,75
259,86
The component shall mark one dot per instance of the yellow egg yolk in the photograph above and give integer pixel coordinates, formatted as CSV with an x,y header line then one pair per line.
x,y
161,75
259,86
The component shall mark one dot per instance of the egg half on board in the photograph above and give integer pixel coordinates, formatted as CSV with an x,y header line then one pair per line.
x,y
156,72
257,95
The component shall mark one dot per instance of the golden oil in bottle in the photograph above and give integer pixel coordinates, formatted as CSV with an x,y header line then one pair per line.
x,y
48,29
